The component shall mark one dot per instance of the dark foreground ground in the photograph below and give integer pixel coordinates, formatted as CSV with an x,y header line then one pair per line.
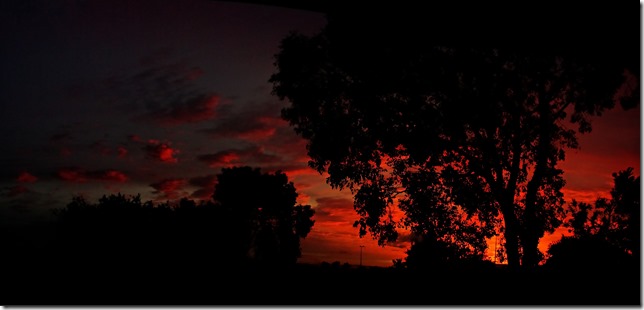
x,y
161,284
47,274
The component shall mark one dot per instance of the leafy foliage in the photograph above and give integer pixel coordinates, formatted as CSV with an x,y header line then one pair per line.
x,y
454,136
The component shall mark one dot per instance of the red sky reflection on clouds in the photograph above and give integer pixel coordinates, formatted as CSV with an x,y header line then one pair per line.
x,y
159,102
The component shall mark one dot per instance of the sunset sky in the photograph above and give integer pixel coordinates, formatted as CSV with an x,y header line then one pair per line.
x,y
155,97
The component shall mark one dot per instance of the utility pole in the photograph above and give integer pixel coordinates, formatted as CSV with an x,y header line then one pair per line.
x,y
362,246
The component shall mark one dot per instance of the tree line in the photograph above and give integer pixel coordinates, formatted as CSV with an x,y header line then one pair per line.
x,y
253,219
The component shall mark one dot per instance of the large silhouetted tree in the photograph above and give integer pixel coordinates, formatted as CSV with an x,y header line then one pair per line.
x,y
456,134
263,217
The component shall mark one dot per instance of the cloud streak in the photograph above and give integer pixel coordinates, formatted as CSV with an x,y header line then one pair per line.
x,y
249,156
78,175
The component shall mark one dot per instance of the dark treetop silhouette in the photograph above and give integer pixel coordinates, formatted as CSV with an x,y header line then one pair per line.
x,y
457,133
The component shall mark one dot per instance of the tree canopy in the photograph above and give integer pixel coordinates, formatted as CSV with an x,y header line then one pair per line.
x,y
459,137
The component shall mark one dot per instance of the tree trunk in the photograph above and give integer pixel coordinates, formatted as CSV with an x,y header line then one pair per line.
x,y
533,229
511,236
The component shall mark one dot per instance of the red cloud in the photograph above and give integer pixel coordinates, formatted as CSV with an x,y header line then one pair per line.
x,y
109,175
222,158
161,151
192,110
168,188
26,177
72,175
248,156
78,175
